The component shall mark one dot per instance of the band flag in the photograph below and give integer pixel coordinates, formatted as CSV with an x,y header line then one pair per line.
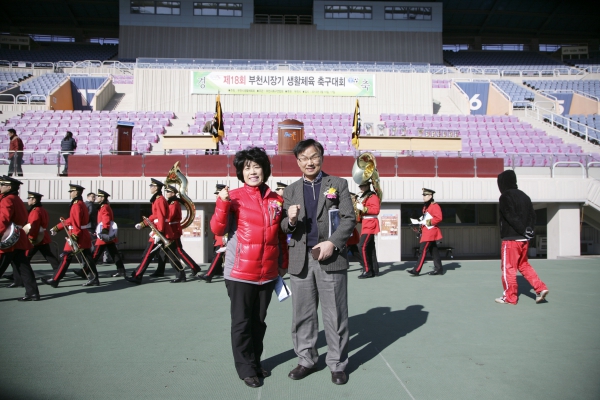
x,y
218,129
356,125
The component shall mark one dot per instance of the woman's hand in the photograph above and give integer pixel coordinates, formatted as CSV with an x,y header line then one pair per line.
x,y
224,194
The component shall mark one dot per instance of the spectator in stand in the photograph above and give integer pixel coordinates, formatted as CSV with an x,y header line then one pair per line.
x,y
67,147
15,154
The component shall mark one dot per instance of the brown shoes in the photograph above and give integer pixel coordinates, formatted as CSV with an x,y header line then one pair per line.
x,y
300,372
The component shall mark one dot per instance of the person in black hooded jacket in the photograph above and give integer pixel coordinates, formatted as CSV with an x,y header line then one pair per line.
x,y
517,220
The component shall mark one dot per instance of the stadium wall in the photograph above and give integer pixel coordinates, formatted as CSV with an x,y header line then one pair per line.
x,y
279,42
160,89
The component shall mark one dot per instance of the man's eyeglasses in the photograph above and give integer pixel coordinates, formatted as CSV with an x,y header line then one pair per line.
x,y
314,158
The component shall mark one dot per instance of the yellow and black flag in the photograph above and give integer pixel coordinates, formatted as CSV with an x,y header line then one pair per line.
x,y
356,126
218,129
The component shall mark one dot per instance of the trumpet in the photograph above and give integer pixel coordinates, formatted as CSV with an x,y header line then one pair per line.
x,y
164,245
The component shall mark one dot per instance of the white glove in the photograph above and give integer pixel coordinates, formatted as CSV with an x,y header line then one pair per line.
x,y
53,232
360,207
138,226
156,239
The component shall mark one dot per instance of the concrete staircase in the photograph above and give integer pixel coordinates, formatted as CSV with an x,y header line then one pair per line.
x,y
442,103
123,99
179,126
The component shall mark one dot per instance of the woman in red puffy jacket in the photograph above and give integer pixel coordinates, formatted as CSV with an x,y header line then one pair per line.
x,y
250,216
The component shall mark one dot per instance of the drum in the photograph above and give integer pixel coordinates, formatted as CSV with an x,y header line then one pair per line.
x,y
10,237
40,236
113,229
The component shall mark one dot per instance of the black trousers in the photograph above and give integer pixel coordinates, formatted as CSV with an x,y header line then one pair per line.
x,y
181,254
22,268
112,250
67,258
15,165
435,254
249,305
46,252
147,257
216,266
368,255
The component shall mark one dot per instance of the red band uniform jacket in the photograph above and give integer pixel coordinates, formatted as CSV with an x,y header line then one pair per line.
x,y
175,218
12,209
433,234
78,217
38,218
371,209
105,215
160,217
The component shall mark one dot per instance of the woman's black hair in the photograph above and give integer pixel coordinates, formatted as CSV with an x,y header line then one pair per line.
x,y
68,135
305,144
255,154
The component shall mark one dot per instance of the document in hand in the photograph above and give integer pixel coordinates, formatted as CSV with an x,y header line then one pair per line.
x,y
427,217
281,289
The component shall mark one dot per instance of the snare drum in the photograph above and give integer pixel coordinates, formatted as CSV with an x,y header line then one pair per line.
x,y
10,237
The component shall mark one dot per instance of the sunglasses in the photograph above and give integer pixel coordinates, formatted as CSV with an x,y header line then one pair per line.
x,y
30,198
153,184
72,190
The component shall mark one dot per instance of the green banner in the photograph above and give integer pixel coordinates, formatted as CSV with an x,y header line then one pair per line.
x,y
283,83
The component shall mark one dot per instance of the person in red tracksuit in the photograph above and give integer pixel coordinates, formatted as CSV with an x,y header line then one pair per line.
x,y
175,222
219,246
368,205
430,234
517,221
160,219
12,211
76,228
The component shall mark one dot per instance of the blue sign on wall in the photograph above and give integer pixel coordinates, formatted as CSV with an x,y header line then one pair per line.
x,y
478,96
83,90
564,102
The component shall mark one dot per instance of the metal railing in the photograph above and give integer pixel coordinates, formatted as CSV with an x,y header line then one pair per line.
x,y
583,170
495,70
583,131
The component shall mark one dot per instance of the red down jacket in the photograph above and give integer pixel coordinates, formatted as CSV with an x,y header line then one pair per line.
x,y
257,236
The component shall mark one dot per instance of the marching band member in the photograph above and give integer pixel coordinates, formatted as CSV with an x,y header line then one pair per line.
x,y
79,240
12,211
368,205
104,240
219,246
430,234
175,222
38,220
160,220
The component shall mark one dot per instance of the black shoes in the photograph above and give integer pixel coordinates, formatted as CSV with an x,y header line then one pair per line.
x,y
10,277
32,297
50,282
437,272
365,276
412,272
119,274
300,372
339,377
206,278
133,279
178,280
12,285
195,273
252,381
92,282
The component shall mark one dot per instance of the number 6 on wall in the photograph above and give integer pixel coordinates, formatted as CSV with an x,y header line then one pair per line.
x,y
475,102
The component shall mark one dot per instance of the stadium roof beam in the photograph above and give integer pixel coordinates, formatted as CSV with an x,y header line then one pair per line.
x,y
552,14
487,18
74,19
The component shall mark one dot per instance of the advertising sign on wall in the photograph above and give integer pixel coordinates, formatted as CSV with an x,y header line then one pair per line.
x,y
389,226
283,83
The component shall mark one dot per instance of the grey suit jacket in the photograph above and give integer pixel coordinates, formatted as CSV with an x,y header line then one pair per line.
x,y
294,194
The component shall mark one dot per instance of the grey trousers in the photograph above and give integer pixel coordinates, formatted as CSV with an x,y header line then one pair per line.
x,y
331,288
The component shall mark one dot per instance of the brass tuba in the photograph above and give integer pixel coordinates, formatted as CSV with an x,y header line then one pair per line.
x,y
175,176
365,168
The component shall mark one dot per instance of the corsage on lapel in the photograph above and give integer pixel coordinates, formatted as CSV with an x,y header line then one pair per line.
x,y
331,194
275,208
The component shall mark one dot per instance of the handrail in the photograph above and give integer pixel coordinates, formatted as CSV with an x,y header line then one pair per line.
x,y
567,162
8,94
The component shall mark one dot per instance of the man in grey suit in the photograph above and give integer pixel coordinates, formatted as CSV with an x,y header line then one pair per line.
x,y
318,263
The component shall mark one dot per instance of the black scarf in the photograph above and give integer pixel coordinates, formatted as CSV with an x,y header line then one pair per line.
x,y
154,196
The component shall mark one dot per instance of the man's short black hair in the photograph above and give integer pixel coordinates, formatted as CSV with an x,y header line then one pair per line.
x,y
90,193
305,144
255,154
11,130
